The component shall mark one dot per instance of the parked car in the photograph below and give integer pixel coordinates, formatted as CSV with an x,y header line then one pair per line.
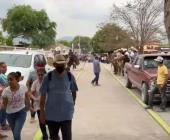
x,y
23,61
142,72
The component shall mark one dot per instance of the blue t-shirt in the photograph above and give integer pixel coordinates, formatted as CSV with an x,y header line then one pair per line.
x,y
59,104
96,66
3,80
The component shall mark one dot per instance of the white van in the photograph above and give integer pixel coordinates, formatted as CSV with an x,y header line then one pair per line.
x,y
23,61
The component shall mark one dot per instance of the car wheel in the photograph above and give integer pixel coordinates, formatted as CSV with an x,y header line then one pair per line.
x,y
128,83
144,93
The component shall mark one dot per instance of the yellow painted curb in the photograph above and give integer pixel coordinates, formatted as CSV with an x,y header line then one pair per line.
x,y
38,134
152,113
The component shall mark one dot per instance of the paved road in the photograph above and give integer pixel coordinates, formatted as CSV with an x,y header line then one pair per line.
x,y
106,112
165,115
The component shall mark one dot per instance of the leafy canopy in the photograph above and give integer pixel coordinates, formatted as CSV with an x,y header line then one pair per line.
x,y
110,37
23,20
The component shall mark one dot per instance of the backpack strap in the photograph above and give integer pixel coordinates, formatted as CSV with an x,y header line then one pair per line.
x,y
69,76
49,75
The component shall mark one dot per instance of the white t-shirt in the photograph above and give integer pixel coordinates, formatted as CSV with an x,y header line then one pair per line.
x,y
16,100
36,87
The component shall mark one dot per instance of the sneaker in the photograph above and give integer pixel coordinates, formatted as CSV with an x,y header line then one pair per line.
x,y
32,120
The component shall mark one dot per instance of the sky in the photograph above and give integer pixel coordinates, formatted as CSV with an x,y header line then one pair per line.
x,y
73,17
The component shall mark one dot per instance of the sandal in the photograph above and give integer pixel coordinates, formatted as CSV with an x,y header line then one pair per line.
x,y
3,136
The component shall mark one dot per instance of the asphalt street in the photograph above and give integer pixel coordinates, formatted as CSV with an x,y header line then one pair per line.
x,y
105,112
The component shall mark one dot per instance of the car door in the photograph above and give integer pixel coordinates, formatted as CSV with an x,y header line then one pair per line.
x,y
136,70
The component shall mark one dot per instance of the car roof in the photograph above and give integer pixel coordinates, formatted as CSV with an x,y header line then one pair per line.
x,y
154,55
28,52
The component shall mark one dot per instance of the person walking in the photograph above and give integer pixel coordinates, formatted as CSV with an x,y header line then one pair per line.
x,y
58,96
3,84
35,96
14,98
96,70
160,85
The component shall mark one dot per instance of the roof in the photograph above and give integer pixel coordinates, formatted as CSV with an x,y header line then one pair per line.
x,y
28,52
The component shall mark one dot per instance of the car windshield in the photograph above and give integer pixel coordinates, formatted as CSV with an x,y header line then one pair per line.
x,y
16,60
149,62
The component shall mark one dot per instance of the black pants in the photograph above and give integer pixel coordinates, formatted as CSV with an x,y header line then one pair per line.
x,y
65,127
96,79
42,127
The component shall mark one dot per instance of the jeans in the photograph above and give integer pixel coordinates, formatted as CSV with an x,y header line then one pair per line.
x,y
3,117
42,127
16,122
162,90
96,79
65,127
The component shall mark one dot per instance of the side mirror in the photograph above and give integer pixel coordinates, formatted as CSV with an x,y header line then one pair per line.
x,y
137,66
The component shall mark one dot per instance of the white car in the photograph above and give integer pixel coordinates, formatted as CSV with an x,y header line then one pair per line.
x,y
23,61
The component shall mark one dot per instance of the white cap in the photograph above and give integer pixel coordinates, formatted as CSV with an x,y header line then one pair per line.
x,y
159,59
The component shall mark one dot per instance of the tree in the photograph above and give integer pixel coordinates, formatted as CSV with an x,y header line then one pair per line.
x,y
142,18
1,38
23,20
110,37
167,17
84,43
8,41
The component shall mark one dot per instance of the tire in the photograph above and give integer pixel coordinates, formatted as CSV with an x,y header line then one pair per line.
x,y
128,83
144,93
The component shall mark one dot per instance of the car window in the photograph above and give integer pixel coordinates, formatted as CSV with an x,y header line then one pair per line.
x,y
149,62
16,60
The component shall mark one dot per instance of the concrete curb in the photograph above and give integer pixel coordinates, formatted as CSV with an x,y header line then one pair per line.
x,y
152,113
38,134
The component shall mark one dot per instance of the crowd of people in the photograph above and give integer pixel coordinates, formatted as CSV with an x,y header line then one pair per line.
x,y
51,96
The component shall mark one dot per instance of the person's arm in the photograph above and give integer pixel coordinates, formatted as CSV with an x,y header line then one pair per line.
x,y
166,75
27,102
42,108
74,95
4,103
73,88
29,82
33,91
4,99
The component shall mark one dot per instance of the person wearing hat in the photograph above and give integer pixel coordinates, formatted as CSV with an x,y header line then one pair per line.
x,y
160,84
57,100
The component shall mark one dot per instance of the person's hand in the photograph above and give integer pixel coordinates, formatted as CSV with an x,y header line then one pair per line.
x,y
42,117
